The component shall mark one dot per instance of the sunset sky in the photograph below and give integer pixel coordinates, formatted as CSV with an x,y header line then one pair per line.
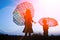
x,y
42,8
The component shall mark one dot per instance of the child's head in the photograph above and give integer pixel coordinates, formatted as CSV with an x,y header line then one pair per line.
x,y
44,21
28,12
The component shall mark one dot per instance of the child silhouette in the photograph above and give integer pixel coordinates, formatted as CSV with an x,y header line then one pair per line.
x,y
28,23
45,28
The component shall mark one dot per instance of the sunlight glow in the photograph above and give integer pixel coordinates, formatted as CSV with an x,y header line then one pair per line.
x,y
42,8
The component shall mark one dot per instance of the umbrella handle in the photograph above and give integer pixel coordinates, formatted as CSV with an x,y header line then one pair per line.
x,y
34,22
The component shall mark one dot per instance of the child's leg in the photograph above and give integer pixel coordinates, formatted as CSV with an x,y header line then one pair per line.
x,y
26,34
45,32
29,34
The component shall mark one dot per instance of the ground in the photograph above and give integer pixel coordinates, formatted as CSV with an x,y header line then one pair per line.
x,y
33,37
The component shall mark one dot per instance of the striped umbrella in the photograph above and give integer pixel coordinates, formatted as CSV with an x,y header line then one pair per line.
x,y
18,14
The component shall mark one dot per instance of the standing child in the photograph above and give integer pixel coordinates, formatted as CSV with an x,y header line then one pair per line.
x,y
28,23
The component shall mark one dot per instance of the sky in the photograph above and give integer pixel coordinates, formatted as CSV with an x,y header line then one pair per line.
x,y
42,8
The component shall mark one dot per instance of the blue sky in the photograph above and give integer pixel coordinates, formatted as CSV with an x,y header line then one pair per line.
x,y
6,18
4,3
43,8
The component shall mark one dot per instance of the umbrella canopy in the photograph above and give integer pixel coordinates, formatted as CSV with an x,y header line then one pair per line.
x,y
18,14
49,21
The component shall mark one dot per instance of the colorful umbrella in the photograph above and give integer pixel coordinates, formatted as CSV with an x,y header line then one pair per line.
x,y
50,21
18,14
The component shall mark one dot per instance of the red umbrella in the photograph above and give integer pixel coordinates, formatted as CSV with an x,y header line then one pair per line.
x,y
49,21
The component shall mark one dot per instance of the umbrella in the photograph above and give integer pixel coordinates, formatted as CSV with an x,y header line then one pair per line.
x,y
46,23
50,21
18,14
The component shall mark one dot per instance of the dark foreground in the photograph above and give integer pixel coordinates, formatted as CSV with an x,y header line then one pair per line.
x,y
33,37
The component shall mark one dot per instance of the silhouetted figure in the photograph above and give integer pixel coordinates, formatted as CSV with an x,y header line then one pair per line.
x,y
45,28
28,23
